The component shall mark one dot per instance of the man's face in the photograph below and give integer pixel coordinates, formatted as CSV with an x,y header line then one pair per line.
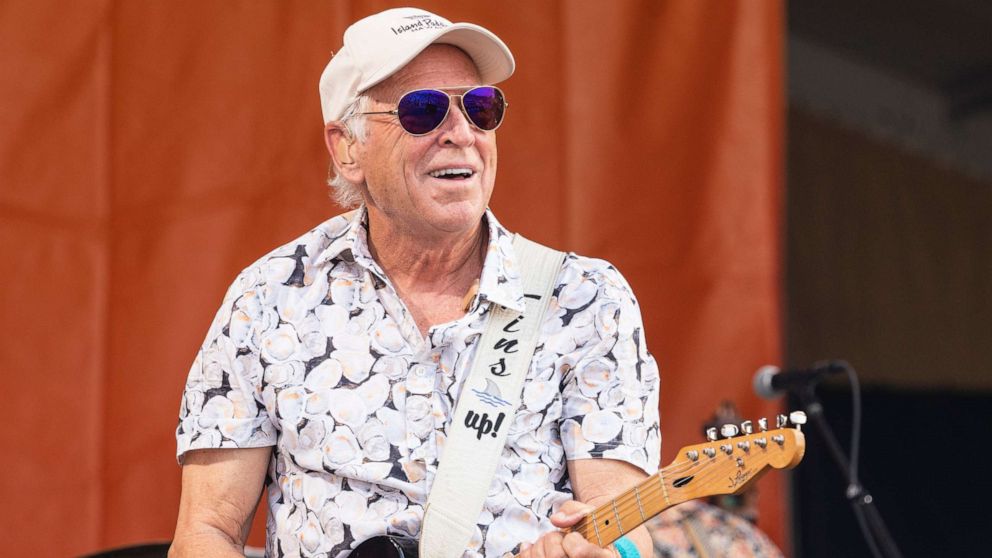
x,y
400,170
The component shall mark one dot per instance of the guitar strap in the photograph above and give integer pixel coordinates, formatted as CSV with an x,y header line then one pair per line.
x,y
486,407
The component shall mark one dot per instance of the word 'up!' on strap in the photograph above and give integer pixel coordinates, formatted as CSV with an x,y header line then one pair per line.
x,y
486,406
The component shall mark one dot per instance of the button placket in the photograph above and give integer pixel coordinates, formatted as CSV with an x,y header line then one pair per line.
x,y
418,411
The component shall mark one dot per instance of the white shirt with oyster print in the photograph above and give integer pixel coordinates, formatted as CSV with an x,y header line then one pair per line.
x,y
314,353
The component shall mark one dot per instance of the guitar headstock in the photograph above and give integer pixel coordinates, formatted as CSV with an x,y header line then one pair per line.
x,y
728,465
724,466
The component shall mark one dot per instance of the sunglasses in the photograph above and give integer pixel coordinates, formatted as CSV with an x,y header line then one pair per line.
x,y
421,111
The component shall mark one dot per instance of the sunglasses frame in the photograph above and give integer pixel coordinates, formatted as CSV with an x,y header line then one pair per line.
x,y
467,89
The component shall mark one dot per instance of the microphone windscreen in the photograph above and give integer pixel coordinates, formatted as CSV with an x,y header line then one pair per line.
x,y
763,381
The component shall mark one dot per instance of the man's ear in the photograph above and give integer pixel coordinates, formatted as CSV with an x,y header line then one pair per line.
x,y
340,144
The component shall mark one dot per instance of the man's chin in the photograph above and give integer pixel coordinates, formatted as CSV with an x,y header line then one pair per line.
x,y
464,217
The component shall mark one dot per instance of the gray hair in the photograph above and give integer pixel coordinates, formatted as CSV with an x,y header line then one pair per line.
x,y
345,193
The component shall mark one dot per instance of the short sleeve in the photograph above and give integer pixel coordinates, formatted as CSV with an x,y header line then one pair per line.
x,y
220,406
610,394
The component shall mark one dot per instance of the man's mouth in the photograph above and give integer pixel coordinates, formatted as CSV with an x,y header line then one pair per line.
x,y
453,174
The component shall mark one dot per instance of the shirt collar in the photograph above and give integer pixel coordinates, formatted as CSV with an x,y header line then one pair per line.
x,y
500,281
348,235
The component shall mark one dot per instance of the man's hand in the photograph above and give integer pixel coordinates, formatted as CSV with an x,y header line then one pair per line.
x,y
558,545
594,482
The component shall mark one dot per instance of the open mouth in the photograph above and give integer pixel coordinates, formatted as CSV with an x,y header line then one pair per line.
x,y
453,174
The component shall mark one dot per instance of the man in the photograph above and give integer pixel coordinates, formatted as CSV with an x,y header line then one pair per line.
x,y
332,369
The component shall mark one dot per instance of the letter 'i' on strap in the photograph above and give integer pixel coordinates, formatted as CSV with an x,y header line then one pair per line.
x,y
626,548
486,406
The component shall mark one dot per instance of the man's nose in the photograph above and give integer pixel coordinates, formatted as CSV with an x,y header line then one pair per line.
x,y
456,128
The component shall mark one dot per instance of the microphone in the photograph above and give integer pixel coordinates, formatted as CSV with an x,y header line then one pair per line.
x,y
770,381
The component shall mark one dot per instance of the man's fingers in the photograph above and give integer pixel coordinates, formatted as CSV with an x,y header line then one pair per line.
x,y
570,513
575,546
548,546
551,545
561,545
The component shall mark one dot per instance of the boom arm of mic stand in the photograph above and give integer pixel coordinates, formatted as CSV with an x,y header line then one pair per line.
x,y
876,533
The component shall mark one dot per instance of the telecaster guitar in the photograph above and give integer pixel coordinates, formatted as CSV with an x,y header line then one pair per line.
x,y
717,467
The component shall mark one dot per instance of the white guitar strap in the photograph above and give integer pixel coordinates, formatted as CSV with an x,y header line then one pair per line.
x,y
486,407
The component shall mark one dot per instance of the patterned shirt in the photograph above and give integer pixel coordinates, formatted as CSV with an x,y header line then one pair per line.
x,y
699,530
313,352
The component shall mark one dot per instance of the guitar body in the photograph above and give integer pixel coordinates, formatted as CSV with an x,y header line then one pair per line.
x,y
387,546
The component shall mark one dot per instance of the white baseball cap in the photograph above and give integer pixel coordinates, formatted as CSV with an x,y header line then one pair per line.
x,y
379,45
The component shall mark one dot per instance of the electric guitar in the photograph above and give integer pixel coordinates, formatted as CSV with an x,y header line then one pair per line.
x,y
717,467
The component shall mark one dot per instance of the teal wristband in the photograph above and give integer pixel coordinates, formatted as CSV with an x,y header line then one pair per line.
x,y
626,548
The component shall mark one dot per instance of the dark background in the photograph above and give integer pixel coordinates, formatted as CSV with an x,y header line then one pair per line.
x,y
889,264
925,462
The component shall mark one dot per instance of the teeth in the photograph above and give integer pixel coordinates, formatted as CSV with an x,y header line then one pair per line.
x,y
450,172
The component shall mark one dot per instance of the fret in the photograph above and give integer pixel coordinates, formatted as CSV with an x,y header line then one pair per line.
x,y
595,525
616,514
640,508
664,489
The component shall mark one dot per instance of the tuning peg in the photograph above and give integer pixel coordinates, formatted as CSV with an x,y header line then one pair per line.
x,y
781,421
798,418
746,427
728,430
711,434
763,424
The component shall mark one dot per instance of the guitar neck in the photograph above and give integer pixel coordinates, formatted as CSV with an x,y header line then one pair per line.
x,y
724,467
629,510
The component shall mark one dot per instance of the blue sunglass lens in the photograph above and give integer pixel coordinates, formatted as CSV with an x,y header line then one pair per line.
x,y
422,111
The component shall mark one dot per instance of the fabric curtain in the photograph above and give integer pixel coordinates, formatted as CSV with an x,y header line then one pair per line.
x,y
150,150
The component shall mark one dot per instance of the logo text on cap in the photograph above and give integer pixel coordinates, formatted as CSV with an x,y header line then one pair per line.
x,y
423,23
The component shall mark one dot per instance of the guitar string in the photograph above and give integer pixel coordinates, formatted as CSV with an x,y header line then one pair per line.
x,y
627,501
679,467
623,501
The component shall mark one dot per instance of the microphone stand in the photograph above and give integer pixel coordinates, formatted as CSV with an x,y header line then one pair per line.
x,y
872,525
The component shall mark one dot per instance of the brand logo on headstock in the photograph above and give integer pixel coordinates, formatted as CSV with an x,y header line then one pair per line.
x,y
739,478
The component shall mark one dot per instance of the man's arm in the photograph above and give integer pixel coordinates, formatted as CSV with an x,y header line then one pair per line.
x,y
220,492
594,482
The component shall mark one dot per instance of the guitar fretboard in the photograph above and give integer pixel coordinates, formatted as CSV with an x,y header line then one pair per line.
x,y
628,511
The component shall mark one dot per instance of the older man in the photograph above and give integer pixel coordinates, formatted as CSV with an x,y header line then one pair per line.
x,y
335,362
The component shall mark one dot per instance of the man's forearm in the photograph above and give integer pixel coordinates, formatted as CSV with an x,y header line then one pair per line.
x,y
221,489
642,540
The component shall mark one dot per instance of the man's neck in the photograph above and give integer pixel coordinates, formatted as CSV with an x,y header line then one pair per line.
x,y
431,273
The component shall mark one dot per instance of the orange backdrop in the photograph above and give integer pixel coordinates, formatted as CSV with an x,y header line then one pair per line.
x,y
150,150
